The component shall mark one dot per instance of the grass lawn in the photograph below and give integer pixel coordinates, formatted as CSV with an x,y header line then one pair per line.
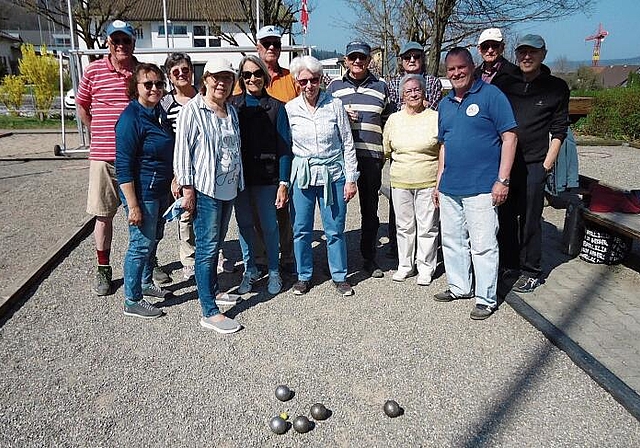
x,y
12,122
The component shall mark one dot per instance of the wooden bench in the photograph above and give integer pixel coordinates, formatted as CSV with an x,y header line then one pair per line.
x,y
627,224
579,106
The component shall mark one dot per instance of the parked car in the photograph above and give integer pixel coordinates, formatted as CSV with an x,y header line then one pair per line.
x,y
70,100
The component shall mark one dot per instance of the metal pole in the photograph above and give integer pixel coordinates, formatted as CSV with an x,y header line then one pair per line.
x,y
257,15
166,21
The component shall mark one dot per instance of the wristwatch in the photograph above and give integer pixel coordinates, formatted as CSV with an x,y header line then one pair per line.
x,y
504,181
284,183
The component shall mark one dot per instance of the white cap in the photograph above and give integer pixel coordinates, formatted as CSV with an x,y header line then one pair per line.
x,y
493,34
269,31
219,65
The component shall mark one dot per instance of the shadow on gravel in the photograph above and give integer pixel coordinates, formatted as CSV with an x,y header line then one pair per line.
x,y
515,392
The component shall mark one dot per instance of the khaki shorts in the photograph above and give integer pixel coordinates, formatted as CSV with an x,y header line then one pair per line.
x,y
103,198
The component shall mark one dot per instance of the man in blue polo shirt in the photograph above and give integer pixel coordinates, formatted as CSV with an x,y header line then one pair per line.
x,y
476,129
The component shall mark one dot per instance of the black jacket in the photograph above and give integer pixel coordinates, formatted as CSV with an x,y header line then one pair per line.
x,y
506,69
261,144
541,108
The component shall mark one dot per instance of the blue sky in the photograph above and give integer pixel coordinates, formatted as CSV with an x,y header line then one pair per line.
x,y
328,29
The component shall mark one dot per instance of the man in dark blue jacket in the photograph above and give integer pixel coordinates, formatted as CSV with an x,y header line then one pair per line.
x,y
541,105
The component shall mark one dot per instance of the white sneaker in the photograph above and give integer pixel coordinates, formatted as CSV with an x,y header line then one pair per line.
x,y
275,283
224,298
248,279
402,275
423,280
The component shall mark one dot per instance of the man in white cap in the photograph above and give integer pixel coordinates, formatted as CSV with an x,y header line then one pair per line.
x,y
101,97
494,65
540,103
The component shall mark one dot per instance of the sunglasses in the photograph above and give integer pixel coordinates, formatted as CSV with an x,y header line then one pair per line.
x,y
484,46
149,84
314,81
120,40
246,75
356,56
177,71
271,43
414,56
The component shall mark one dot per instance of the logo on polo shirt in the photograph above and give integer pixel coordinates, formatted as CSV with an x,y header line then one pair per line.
x,y
473,110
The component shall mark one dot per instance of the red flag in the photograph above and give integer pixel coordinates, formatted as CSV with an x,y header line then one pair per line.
x,y
304,16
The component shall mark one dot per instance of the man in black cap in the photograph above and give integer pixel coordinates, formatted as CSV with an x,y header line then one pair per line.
x,y
366,99
541,105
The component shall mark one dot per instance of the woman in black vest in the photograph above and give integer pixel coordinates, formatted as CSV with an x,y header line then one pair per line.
x,y
266,158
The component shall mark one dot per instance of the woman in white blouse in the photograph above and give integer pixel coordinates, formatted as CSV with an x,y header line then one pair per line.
x,y
208,168
324,170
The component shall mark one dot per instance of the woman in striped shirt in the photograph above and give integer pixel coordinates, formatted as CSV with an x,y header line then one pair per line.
x,y
208,168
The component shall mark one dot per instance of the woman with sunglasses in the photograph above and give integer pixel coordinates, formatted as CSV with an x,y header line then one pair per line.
x,y
410,139
144,156
179,69
208,168
266,159
324,170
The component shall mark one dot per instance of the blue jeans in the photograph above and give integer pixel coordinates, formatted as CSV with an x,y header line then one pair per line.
x,y
469,226
143,241
263,197
210,225
333,220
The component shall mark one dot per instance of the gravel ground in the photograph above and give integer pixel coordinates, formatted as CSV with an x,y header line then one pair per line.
x,y
75,372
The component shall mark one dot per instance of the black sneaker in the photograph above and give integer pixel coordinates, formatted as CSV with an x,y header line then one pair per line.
x,y
142,309
448,296
159,276
344,288
372,269
301,287
102,285
526,284
153,290
481,312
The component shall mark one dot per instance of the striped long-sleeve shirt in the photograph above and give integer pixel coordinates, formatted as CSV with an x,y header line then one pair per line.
x,y
370,98
204,154
103,93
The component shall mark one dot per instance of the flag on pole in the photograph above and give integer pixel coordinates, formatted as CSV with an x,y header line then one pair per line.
x,y
304,16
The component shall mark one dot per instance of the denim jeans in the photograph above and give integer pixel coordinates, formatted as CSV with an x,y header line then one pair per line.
x,y
143,241
262,198
303,207
469,226
210,225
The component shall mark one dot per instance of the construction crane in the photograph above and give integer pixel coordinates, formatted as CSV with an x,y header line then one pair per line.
x,y
597,43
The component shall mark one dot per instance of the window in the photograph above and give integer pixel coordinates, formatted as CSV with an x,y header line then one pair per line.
x,y
174,30
206,36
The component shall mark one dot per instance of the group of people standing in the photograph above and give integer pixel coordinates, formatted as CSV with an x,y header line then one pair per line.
x,y
273,144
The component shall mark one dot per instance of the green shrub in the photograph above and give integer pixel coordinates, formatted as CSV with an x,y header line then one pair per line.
x,y
42,72
615,114
11,93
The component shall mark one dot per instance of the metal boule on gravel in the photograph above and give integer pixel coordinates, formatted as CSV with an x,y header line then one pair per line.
x,y
283,393
301,424
320,412
278,425
392,409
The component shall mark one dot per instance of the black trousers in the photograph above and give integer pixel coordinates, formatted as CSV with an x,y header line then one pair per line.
x,y
520,217
369,184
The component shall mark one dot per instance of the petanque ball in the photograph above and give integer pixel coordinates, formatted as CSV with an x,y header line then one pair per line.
x,y
392,408
283,393
301,424
319,411
278,425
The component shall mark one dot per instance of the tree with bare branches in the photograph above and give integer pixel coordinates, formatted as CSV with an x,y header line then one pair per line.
x,y
443,24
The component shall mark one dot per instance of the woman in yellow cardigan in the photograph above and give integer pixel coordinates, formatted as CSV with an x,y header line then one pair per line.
x,y
411,141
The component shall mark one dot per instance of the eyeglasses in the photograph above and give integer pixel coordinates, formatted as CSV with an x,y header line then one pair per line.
x,y
177,71
356,56
246,75
276,44
221,77
412,91
314,81
120,40
414,56
484,46
149,84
